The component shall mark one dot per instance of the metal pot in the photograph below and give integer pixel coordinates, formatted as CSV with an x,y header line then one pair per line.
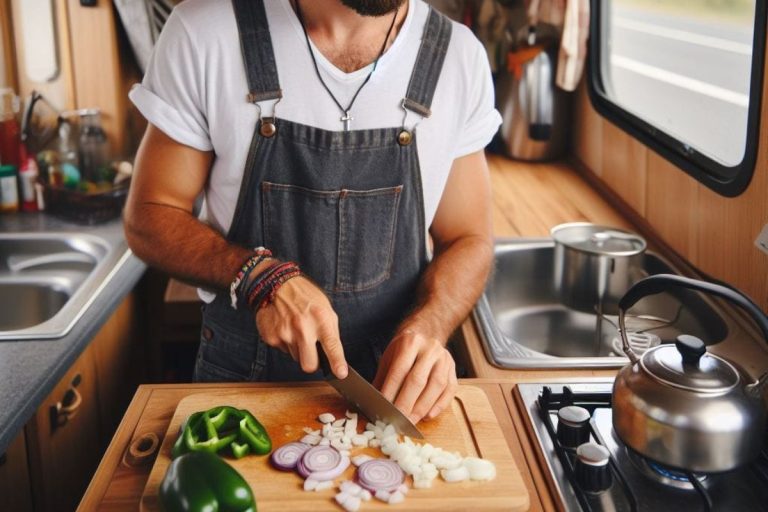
x,y
594,265
535,112
684,407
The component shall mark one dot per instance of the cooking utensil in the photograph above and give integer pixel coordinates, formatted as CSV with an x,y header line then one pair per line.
x,y
361,393
594,265
684,407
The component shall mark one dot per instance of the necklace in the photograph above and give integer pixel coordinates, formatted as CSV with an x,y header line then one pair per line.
x,y
346,119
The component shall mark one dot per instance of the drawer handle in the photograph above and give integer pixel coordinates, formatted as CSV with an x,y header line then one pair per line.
x,y
67,407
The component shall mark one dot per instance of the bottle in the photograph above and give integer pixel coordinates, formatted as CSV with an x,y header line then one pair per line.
x,y
28,177
9,194
68,160
94,149
10,134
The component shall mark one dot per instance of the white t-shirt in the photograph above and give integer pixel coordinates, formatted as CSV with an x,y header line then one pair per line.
x,y
195,89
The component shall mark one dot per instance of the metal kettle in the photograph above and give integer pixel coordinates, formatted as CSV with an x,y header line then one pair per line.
x,y
682,406
534,111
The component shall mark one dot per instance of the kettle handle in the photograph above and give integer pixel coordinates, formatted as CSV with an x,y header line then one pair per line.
x,y
662,282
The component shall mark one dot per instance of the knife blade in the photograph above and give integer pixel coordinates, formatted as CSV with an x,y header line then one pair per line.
x,y
364,396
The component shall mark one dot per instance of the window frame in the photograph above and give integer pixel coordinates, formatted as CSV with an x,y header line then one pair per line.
x,y
729,181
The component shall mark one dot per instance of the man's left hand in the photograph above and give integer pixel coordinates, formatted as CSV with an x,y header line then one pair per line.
x,y
418,374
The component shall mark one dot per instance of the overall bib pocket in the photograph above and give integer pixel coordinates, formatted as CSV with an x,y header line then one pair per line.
x,y
343,239
227,355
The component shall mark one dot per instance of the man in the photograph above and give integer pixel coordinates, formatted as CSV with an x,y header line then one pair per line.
x,y
336,134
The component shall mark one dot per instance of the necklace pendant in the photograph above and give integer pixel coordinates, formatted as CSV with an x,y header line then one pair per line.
x,y
347,120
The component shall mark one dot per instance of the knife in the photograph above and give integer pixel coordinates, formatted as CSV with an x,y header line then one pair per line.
x,y
358,391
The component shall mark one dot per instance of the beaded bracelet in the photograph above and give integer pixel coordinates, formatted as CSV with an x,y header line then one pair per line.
x,y
259,255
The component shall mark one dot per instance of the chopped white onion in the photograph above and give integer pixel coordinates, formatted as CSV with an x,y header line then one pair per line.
x,y
374,443
395,498
310,439
310,484
403,489
369,427
382,495
351,488
326,417
359,440
359,459
458,474
339,423
479,469
365,495
352,504
369,434
341,498
322,486
350,427
324,442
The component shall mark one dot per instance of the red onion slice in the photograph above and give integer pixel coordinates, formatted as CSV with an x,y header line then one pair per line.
x,y
380,474
322,476
320,458
287,456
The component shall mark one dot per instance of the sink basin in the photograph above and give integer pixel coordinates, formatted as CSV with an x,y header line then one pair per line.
x,y
523,325
48,280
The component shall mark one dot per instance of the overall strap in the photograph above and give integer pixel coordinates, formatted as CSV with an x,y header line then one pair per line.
x,y
429,63
256,45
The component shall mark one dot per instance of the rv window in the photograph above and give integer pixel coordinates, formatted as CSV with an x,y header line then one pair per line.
x,y
684,77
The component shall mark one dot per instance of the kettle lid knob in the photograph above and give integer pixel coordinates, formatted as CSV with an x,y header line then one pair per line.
x,y
690,348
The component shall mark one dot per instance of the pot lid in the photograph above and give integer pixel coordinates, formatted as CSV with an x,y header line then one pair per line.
x,y
596,239
687,365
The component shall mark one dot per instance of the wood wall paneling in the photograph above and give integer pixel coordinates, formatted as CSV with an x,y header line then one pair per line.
x,y
98,74
588,133
624,165
59,91
714,233
7,58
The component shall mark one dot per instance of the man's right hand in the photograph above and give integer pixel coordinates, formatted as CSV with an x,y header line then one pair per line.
x,y
299,317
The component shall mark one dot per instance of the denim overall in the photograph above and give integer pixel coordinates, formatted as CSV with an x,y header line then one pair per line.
x,y
347,206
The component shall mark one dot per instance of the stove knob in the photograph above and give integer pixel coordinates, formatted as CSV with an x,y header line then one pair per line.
x,y
572,426
592,471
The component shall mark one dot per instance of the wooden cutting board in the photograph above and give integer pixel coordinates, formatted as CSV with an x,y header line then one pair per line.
x,y
469,426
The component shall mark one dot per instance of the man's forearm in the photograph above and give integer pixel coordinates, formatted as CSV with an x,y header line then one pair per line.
x,y
451,285
174,241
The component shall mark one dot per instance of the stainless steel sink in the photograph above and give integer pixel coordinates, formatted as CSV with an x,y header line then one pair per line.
x,y
47,280
522,324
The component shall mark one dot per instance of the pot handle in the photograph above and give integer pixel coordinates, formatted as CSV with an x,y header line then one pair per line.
x,y
662,282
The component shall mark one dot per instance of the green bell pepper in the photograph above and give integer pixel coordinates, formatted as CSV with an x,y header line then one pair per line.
x,y
221,429
202,482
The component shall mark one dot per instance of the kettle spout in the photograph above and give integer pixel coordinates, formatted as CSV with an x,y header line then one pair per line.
x,y
756,388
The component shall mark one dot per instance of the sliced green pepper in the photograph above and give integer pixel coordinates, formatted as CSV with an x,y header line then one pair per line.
x,y
254,434
220,428
202,482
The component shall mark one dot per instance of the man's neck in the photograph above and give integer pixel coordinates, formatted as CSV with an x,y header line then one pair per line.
x,y
346,38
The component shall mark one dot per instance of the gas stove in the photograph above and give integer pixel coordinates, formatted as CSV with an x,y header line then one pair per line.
x,y
590,469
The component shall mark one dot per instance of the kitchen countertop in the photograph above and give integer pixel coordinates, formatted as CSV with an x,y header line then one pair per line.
x,y
118,484
531,198
30,369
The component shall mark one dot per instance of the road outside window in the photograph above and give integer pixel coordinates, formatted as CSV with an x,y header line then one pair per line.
x,y
683,66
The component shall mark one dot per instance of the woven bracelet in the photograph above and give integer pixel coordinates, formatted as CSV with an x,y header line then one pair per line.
x,y
259,255
270,280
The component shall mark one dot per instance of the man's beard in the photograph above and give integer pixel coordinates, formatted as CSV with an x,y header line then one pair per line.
x,y
373,7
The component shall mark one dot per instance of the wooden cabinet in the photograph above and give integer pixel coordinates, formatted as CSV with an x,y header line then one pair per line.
x,y
15,489
49,465
63,438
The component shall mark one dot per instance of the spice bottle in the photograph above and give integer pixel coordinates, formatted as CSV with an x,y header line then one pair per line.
x,y
28,177
9,194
